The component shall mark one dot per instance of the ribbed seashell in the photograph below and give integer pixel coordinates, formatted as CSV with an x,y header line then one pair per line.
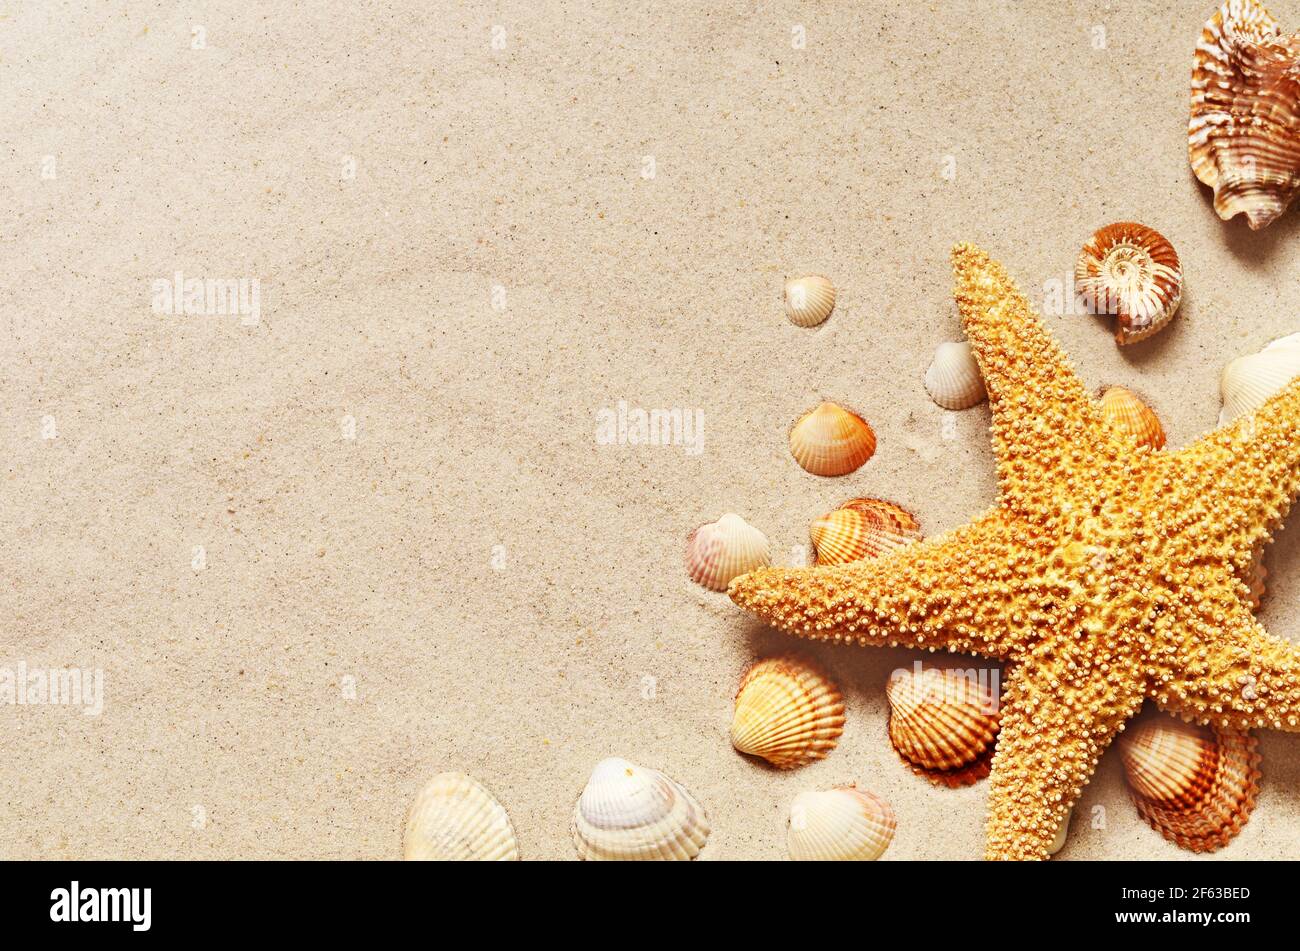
x,y
1243,136
831,441
1131,271
953,379
1062,831
943,724
632,813
1195,785
787,711
454,819
1247,382
726,549
809,300
1126,410
862,528
843,824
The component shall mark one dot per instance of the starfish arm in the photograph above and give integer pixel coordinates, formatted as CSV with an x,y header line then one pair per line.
x,y
1239,480
959,592
1228,670
1046,427
1057,717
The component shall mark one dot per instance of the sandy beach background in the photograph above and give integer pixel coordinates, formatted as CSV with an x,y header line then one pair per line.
x,y
459,248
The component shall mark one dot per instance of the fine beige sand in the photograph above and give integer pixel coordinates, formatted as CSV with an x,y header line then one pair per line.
x,y
462,251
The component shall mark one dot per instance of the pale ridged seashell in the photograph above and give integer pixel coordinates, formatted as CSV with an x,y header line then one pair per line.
x,y
454,819
843,824
787,711
631,813
862,528
1195,785
726,549
1127,411
1131,271
1243,136
953,379
809,300
943,724
831,441
1247,382
1062,831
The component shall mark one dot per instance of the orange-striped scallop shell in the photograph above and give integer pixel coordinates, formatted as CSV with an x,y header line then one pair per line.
x,y
1243,136
1132,416
944,723
1195,785
832,441
862,528
787,711
1133,272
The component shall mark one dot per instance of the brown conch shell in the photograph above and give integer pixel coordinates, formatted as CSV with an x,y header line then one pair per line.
x,y
1131,271
787,711
862,528
1195,785
943,723
1126,410
1243,137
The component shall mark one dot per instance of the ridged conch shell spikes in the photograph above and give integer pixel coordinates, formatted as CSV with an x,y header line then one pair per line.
x,y
1243,137
455,819
1133,272
788,712
632,813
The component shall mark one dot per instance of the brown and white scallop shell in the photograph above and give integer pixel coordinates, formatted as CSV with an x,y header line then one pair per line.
x,y
1134,418
787,711
1195,785
1243,136
862,528
944,723
831,441
1133,272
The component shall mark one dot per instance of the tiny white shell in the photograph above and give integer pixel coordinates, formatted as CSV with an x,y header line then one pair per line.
x,y
631,813
719,551
837,825
1247,382
1061,832
809,300
953,379
455,819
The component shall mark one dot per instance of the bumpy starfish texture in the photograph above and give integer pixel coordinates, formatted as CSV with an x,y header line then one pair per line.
x,y
1106,574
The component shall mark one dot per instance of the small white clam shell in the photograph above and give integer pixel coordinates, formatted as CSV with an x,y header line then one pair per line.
x,y
837,825
1061,832
631,813
953,379
455,819
809,300
1247,382
728,548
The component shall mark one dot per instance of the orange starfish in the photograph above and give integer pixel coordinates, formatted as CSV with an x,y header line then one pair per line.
x,y
1105,574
